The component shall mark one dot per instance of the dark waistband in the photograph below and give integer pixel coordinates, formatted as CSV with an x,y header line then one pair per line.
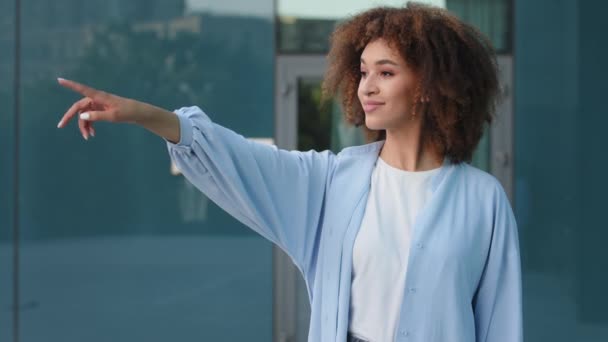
x,y
351,338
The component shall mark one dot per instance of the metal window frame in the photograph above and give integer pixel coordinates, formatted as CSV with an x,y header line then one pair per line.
x,y
289,68
501,130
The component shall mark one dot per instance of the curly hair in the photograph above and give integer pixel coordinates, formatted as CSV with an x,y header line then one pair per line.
x,y
455,65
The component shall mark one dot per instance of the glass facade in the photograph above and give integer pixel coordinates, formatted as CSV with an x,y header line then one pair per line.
x,y
305,25
492,17
113,246
560,68
7,247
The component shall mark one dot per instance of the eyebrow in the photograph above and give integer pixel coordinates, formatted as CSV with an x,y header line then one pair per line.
x,y
382,61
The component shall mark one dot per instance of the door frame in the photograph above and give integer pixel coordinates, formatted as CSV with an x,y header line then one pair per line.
x,y
289,68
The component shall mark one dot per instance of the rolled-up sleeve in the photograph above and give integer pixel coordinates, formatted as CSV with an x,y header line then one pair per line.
x,y
277,193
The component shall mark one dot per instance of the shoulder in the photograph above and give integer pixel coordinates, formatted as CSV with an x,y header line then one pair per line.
x,y
480,182
358,159
370,149
354,165
476,175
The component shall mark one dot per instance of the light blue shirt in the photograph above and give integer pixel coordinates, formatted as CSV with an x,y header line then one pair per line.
x,y
463,275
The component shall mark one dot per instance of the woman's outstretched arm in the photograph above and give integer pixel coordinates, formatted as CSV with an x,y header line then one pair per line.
x,y
279,194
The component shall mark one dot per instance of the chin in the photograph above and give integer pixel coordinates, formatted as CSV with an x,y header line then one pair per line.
x,y
375,124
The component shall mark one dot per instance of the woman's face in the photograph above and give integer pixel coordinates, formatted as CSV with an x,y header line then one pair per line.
x,y
386,88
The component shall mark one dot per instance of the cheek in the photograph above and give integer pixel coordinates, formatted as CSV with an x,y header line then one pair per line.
x,y
401,93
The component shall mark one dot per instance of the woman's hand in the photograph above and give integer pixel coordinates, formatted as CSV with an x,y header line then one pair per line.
x,y
98,106
101,106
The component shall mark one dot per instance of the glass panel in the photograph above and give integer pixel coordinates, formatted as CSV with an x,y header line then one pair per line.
x,y
314,121
560,171
321,127
492,17
115,247
304,26
481,156
7,147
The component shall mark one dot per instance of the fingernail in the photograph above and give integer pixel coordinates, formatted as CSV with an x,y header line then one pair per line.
x,y
85,137
92,132
60,79
85,116
59,124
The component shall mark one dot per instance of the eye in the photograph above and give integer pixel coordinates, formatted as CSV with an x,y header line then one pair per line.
x,y
387,73
363,73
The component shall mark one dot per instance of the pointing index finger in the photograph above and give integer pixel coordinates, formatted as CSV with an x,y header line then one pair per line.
x,y
80,88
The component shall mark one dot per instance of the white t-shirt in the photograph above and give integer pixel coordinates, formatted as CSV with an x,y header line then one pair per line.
x,y
381,250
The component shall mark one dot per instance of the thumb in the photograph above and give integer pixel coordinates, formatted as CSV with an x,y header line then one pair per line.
x,y
96,116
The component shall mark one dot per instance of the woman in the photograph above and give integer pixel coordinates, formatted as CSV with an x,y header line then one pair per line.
x,y
398,239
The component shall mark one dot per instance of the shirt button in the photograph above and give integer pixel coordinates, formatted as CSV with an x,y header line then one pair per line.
x,y
405,333
412,290
419,245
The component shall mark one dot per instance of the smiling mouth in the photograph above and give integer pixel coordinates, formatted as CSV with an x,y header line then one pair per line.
x,y
368,108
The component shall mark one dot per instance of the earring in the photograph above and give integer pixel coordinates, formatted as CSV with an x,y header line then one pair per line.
x,y
419,100
413,116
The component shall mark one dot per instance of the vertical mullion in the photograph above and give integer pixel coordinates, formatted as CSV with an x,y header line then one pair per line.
x,y
16,99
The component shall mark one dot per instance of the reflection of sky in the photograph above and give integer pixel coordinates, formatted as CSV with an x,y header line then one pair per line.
x,y
297,8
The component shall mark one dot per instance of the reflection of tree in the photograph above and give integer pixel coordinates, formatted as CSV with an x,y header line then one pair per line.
x,y
314,120
123,174
321,126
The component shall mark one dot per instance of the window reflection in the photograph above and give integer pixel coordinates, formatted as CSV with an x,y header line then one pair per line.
x,y
106,231
321,126
304,26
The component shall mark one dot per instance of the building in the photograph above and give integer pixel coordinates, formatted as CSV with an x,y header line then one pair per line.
x,y
102,240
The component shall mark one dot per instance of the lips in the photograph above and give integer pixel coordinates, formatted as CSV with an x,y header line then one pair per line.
x,y
370,106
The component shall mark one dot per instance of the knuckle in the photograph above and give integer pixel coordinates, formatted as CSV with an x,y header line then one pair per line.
x,y
113,116
103,95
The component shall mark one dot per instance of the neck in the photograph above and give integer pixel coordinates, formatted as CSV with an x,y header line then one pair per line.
x,y
406,149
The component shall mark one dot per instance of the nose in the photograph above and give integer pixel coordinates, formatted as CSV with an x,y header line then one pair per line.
x,y
368,86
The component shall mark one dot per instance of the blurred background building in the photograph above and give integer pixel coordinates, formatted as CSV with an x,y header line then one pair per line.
x,y
102,240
